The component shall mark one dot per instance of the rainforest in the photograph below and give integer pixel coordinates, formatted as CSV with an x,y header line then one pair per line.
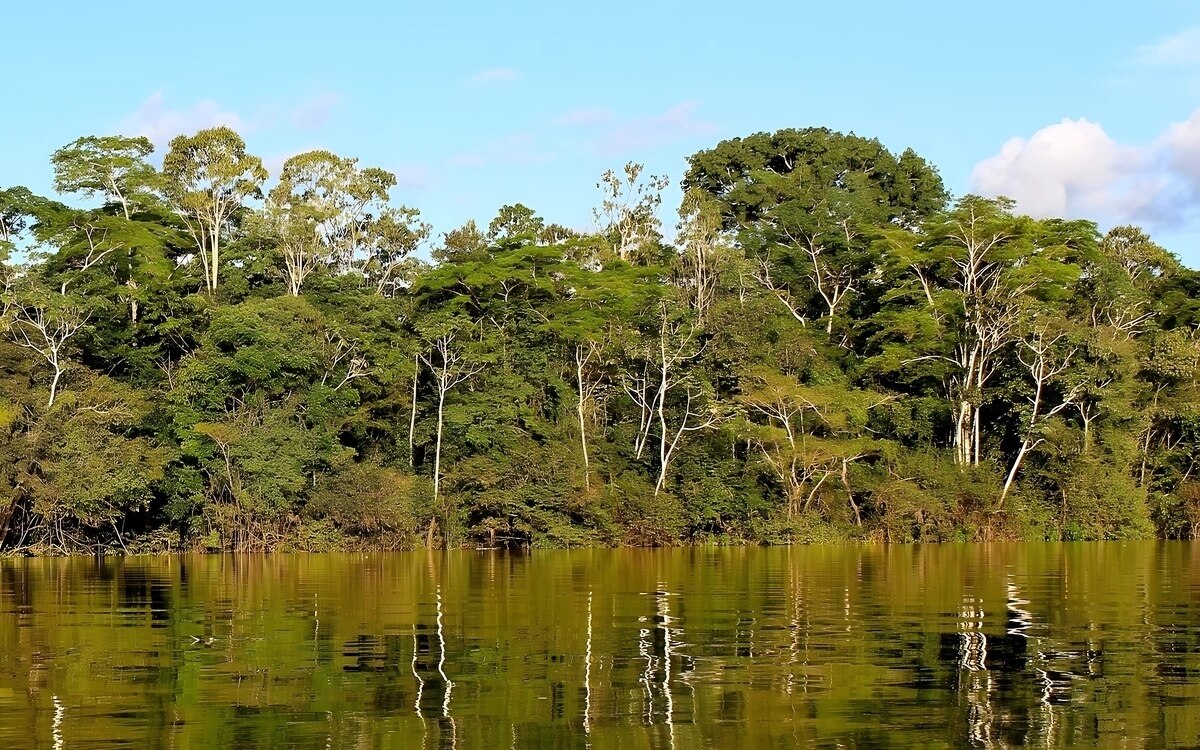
x,y
821,344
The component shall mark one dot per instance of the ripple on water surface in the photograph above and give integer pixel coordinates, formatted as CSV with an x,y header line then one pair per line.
x,y
1050,645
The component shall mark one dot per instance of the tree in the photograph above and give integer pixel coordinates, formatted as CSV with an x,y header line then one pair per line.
x,y
295,238
807,205
46,329
515,222
208,177
702,249
982,273
92,436
1043,355
663,375
628,211
450,368
328,212
1117,284
114,167
15,207
812,433
462,244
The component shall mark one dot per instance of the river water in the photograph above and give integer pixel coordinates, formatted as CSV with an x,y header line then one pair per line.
x,y
1043,645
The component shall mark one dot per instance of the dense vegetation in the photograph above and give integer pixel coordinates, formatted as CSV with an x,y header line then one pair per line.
x,y
830,348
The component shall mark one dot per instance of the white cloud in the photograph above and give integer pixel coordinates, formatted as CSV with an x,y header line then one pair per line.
x,y
520,150
585,117
677,123
1181,49
314,112
1075,169
1182,143
495,75
160,123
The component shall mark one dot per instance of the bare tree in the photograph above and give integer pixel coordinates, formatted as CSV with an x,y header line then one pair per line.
x,y
763,276
1040,355
46,332
344,354
412,419
691,419
832,281
450,368
662,374
98,248
587,355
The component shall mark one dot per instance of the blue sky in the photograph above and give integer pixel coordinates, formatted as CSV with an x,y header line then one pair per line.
x,y
478,104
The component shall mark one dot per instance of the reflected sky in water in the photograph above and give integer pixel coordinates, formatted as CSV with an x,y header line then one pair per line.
x,y
987,646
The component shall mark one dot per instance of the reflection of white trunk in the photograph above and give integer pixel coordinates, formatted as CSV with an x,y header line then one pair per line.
x,y
1024,619
416,674
657,676
978,681
587,673
442,656
644,645
60,712
664,619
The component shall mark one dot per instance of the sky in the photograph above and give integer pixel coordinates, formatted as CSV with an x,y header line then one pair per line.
x,y
1079,109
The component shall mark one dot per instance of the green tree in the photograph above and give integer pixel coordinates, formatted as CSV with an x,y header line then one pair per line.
x,y
113,167
207,178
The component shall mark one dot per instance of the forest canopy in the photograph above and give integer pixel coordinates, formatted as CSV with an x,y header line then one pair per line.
x,y
195,354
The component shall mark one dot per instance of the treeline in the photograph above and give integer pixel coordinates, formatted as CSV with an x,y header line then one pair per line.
x,y
830,348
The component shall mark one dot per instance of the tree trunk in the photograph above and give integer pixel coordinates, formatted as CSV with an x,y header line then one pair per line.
x,y
54,384
412,419
216,252
437,451
587,480
1012,473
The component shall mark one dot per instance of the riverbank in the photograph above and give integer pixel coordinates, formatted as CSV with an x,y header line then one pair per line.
x,y
801,529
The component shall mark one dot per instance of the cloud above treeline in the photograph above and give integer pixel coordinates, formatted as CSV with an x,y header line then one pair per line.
x,y
614,136
518,150
496,75
159,121
1075,169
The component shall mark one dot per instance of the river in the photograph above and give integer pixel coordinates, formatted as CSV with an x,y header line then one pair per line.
x,y
1001,645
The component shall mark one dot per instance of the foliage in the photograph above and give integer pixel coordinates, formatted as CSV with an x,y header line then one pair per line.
x,y
830,349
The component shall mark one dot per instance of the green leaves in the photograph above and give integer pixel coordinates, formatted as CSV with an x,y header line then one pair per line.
x,y
827,349
114,167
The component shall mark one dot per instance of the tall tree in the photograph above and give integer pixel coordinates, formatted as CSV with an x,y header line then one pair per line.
x,y
628,211
807,205
113,167
208,178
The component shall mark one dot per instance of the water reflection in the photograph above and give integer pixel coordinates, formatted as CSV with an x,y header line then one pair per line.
x,y
952,646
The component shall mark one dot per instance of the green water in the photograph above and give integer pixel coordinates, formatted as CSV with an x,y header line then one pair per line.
x,y
1063,645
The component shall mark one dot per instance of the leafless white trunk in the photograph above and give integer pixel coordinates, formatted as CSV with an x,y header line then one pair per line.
x,y
587,386
1038,356
412,418
46,332
450,368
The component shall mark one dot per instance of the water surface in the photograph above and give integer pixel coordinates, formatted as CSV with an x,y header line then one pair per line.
x,y
1054,645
